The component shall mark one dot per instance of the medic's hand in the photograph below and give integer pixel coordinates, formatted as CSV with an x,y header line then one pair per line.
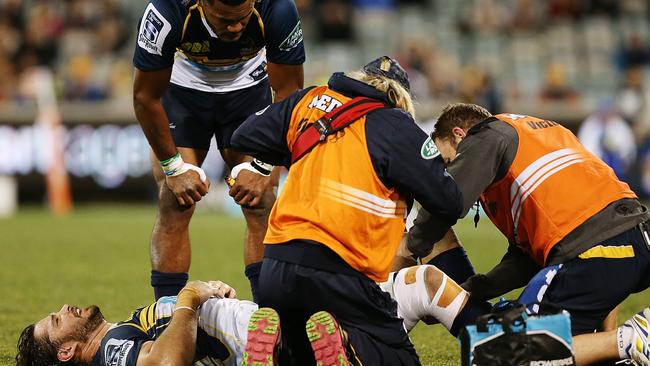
x,y
189,186
249,187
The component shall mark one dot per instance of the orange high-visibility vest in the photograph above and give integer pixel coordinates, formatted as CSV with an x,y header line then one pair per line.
x,y
553,185
333,196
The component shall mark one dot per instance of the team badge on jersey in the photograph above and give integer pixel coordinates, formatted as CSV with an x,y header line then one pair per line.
x,y
154,28
117,351
293,39
429,149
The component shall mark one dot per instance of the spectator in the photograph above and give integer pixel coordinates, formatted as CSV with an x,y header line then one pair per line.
x,y
607,135
631,97
334,20
635,53
556,88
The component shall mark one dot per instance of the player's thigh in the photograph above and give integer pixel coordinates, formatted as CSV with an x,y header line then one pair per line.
x,y
191,116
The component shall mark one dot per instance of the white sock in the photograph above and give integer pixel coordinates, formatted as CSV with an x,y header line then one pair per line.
x,y
624,337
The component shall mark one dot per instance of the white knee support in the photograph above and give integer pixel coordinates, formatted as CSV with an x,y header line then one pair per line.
x,y
418,299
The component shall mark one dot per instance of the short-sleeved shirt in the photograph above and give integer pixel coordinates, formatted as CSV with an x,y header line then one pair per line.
x,y
175,33
221,334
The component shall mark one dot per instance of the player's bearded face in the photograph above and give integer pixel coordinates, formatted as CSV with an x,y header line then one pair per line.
x,y
228,21
70,324
94,319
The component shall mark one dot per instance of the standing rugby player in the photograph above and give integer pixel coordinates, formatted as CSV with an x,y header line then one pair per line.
x,y
203,66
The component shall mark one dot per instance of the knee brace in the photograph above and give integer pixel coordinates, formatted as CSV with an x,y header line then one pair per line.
x,y
425,291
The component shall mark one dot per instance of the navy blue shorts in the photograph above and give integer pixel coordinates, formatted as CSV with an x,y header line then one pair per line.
x,y
195,116
365,312
593,284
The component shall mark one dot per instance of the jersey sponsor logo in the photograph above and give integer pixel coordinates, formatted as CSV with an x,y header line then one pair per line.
x,y
293,39
154,28
429,149
259,73
117,351
325,103
196,47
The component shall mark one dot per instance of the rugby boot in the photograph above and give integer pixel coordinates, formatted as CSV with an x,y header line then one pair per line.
x,y
329,341
639,349
263,342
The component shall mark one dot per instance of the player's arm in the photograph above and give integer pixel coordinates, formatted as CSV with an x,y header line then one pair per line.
x,y
285,79
158,36
177,345
395,143
479,161
148,89
153,58
285,48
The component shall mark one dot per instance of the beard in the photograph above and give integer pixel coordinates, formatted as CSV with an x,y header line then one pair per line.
x,y
93,321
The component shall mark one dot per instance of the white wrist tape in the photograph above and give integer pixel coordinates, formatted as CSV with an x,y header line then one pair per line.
x,y
254,166
176,166
188,166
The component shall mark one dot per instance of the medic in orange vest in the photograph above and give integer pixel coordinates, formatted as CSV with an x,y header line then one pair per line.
x,y
560,207
339,219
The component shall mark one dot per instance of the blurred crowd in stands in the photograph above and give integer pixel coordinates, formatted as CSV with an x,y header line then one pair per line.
x,y
498,53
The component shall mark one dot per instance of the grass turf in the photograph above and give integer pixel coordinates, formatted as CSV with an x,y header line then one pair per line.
x,y
100,255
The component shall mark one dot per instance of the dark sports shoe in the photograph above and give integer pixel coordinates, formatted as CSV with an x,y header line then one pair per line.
x,y
263,343
327,340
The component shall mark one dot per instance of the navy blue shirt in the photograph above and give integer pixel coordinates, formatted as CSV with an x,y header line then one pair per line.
x,y
395,143
121,345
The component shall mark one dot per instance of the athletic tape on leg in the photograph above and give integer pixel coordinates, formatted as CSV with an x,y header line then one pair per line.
x,y
412,293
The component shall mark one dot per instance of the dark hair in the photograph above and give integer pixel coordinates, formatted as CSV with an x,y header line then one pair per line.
x,y
227,2
463,115
35,352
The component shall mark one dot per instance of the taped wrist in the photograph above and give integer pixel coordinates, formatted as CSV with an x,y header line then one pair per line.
x,y
172,166
188,297
262,167
254,166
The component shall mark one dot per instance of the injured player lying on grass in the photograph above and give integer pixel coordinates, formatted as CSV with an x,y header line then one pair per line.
x,y
205,325
426,293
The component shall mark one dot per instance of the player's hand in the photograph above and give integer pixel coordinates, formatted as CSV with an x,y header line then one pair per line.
x,y
200,291
188,188
249,188
223,289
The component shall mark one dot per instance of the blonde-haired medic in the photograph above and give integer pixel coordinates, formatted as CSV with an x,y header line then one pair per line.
x,y
339,219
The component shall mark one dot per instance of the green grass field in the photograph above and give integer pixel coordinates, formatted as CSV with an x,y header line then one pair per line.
x,y
100,255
